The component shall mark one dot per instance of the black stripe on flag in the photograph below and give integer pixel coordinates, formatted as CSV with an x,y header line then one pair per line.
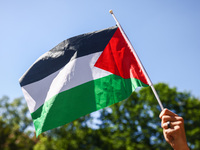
x,y
60,55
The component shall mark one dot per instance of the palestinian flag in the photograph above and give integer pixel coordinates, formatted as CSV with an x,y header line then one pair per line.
x,y
80,75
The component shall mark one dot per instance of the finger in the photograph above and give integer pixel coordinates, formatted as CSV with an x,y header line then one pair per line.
x,y
167,134
172,124
171,118
173,121
166,118
175,132
167,112
167,125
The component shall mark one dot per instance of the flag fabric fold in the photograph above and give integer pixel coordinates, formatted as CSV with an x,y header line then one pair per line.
x,y
80,75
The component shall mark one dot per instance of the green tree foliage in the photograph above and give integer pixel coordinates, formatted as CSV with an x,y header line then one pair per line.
x,y
135,123
132,124
13,123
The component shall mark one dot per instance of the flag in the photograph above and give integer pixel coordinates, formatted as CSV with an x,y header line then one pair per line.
x,y
80,75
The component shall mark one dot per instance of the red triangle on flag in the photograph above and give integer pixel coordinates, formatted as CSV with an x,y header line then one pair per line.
x,y
119,59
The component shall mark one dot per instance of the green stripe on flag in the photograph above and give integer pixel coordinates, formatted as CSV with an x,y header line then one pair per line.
x,y
81,100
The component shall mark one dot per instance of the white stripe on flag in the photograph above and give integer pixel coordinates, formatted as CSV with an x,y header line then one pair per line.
x,y
76,72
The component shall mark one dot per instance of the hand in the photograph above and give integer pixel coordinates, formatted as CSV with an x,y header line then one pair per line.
x,y
175,135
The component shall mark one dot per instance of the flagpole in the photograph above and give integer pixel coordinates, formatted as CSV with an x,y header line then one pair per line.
x,y
138,60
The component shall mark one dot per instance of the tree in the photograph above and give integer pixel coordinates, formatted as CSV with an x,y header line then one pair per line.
x,y
131,124
135,123
13,123
128,125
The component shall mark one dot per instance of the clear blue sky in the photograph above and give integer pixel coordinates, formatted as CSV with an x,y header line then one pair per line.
x,y
165,34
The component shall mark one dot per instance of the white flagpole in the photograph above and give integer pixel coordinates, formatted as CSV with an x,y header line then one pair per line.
x,y
138,60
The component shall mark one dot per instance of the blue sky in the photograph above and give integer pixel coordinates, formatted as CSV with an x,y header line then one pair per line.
x,y
165,34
